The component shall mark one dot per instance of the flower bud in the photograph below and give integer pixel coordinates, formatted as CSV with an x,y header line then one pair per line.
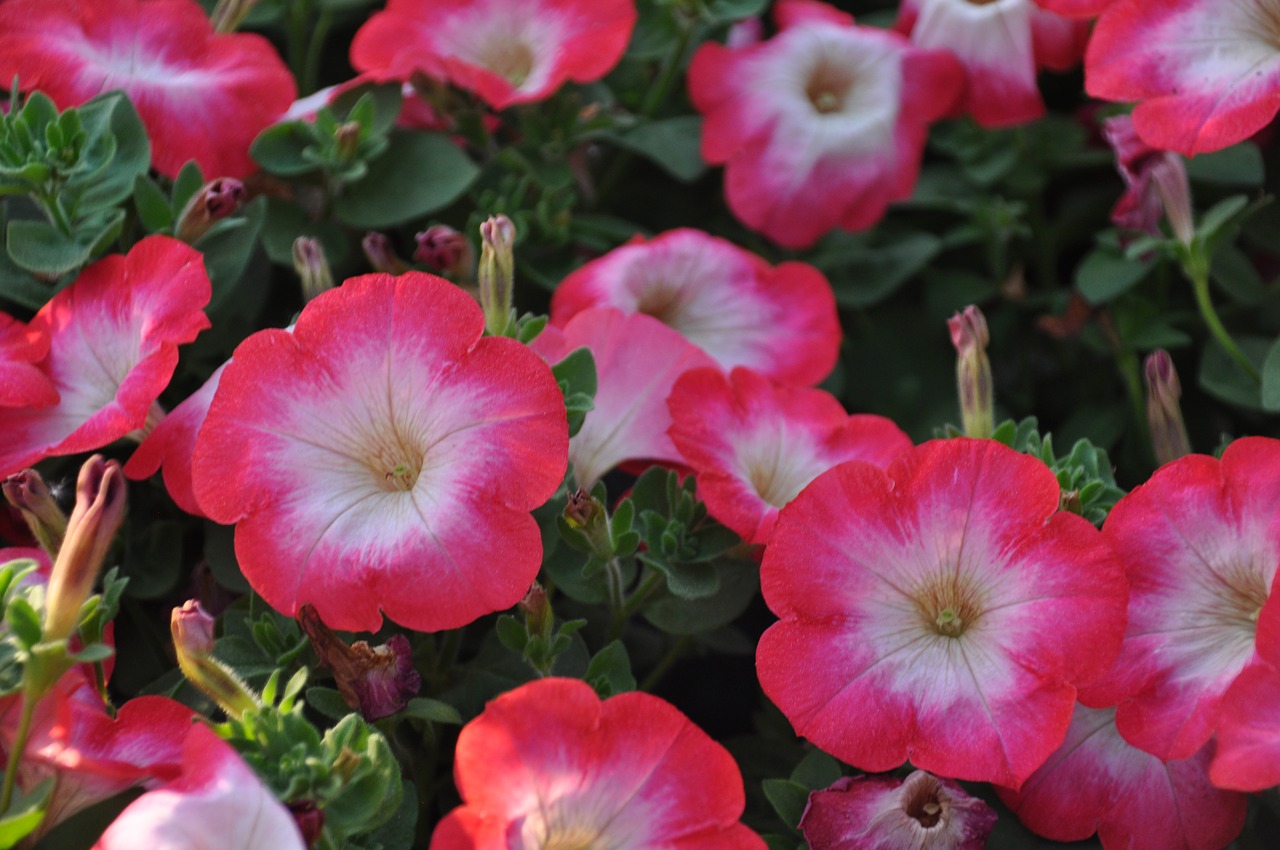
x,y
973,371
496,273
378,251
585,513
1154,180
376,681
27,492
537,610
99,510
347,139
443,249
1164,416
229,14
192,630
312,267
216,200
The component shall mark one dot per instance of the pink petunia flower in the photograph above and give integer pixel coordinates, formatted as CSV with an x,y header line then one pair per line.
x,y
113,345
1155,183
384,457
943,611
780,321
217,803
1206,74
550,765
505,51
1074,8
821,126
921,812
638,360
22,384
1096,782
754,444
1248,751
202,96
1200,541
1001,43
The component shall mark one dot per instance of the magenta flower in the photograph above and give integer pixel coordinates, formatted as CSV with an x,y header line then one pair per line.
x,y
1248,752
943,611
1155,183
383,457
22,384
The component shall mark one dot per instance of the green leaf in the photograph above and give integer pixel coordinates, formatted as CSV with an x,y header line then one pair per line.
x,y
738,582
1222,377
1105,273
227,248
153,207
132,153
285,222
220,555
788,799
25,813
420,173
279,149
863,274
816,771
328,702
382,107
24,621
723,11
1237,166
42,249
1236,275
432,710
512,633
610,670
1271,378
93,653
690,580
673,144
186,184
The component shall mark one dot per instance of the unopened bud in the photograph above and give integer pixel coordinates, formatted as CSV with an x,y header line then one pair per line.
x,y
312,267
1164,415
585,514
229,14
192,630
27,492
216,200
443,249
537,610
496,273
347,139
310,821
378,251
99,510
973,371
377,681
1169,175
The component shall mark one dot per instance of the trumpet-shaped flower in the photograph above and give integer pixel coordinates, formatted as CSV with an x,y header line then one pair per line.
x,y
1247,757
551,766
754,444
780,321
943,611
382,456
201,95
505,51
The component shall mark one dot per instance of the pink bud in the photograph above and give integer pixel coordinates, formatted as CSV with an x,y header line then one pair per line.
x,y
378,251
973,371
216,200
537,610
27,492
443,249
496,273
312,267
192,629
1164,415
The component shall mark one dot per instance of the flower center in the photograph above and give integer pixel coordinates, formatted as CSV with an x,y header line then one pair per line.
x,y
829,88
510,59
1264,21
925,804
395,462
661,302
949,604
570,837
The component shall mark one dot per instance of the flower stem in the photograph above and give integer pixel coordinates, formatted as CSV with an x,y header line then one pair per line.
x,y
310,79
664,664
1196,268
17,751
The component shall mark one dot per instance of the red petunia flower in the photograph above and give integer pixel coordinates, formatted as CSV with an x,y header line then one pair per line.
x,y
113,345
1206,74
22,384
1200,541
382,456
821,126
1096,782
754,444
943,611
505,51
780,321
550,765
201,96
1248,752
1074,8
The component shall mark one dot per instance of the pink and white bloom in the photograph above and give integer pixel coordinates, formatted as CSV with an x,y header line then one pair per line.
x,y
505,51
942,611
22,384
113,345
754,444
1248,752
1200,541
216,803
1074,8
778,320
821,126
383,457
1205,74
1096,782
921,812
638,360
201,95
1002,43
550,765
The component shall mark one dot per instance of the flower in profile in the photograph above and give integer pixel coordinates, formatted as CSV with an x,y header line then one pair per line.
x,y
550,765
943,611
1096,782
22,384
1200,544
113,345
383,457
201,95
754,444
505,51
1247,757
778,320
1155,184
921,812
1205,74
377,681
821,126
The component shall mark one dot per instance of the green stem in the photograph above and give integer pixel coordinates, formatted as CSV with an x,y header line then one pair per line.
x,y
299,13
1197,271
310,79
1130,372
17,751
613,578
636,600
664,664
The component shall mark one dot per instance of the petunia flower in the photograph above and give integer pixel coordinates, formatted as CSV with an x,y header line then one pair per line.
x,y
1074,8
1096,782
1002,43
113,345
638,360
1247,757
201,95
505,51
22,384
943,611
780,321
1205,74
754,444
383,457
821,126
1200,542
1155,182
216,803
921,812
550,765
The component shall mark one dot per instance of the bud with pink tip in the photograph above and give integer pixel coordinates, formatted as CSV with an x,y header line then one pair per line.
x,y
312,267
27,492
496,273
192,630
1164,415
381,255
443,249
973,371
216,200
